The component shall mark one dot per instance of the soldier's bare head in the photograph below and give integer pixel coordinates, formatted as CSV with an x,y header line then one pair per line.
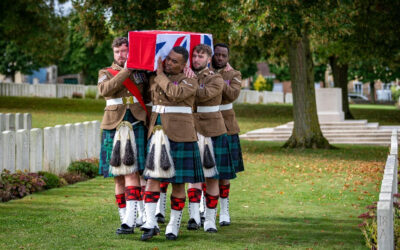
x,y
120,49
201,57
176,60
221,55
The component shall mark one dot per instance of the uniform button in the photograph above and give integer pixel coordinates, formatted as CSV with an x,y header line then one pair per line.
x,y
160,101
127,91
160,93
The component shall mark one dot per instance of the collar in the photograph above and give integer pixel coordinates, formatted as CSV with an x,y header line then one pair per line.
x,y
116,66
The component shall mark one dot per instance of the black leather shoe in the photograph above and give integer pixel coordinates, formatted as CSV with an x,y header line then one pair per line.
x,y
171,236
211,230
149,233
192,225
125,229
160,218
224,223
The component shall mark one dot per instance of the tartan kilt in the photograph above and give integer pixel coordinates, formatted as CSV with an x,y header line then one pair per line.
x,y
187,161
236,152
107,140
223,158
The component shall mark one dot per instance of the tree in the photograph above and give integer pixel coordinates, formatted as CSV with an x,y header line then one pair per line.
x,y
83,56
291,23
31,35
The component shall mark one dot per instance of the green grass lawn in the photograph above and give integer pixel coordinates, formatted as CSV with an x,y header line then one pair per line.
x,y
286,198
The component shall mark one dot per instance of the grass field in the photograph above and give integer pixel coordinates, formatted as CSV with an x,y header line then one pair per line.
x,y
286,198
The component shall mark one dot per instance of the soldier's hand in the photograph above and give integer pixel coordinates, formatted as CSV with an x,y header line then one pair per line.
x,y
160,67
189,72
228,67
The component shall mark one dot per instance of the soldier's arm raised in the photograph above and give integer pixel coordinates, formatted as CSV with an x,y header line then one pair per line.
x,y
108,86
177,91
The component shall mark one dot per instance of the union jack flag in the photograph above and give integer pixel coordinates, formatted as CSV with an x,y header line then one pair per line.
x,y
145,47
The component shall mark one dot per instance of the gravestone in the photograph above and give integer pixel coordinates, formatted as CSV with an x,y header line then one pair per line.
x,y
19,121
10,122
22,150
62,150
8,139
49,157
329,104
27,121
36,150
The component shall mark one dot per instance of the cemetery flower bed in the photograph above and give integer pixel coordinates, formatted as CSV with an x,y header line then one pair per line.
x,y
19,184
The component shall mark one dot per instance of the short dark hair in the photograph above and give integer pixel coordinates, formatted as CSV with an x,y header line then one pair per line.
x,y
181,50
203,48
223,45
118,41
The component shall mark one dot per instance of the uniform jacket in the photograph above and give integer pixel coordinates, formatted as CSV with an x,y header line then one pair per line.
x,y
233,84
209,93
174,90
111,87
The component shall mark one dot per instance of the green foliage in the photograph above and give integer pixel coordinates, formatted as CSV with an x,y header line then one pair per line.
x,y
369,227
83,55
90,94
19,184
84,168
395,89
51,180
73,177
262,84
32,34
281,71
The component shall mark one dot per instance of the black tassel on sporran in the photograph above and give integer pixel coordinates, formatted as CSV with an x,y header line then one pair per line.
x,y
116,154
129,157
150,159
208,160
165,163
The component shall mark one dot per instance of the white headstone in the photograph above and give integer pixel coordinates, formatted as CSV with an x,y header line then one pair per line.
x,y
70,131
2,122
329,104
289,98
49,157
27,121
80,140
253,97
10,121
63,150
385,225
1,150
22,150
36,150
9,150
19,121
90,139
272,97
97,138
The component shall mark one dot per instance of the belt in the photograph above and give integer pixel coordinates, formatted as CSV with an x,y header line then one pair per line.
x,y
226,107
171,109
207,109
122,100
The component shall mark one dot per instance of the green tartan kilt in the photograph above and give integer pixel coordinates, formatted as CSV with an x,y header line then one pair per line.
x,y
107,140
187,161
223,158
236,152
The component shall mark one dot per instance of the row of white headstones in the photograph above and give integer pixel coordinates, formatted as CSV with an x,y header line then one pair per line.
x,y
389,187
50,149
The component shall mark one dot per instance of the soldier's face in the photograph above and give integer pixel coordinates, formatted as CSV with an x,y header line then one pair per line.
x,y
200,60
221,57
174,63
120,54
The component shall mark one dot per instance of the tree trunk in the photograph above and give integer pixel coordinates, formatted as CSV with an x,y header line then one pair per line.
x,y
372,91
340,73
306,131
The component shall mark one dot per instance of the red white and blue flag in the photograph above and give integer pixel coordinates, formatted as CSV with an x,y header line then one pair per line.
x,y
145,47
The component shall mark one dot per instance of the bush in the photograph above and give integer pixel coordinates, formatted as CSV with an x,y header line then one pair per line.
x,y
262,84
76,95
52,180
90,93
73,177
395,89
19,184
88,169
369,227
